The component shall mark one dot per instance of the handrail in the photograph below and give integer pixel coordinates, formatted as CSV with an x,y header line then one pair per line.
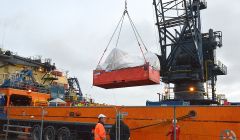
x,y
221,66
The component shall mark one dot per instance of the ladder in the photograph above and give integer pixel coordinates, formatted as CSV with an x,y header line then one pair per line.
x,y
16,129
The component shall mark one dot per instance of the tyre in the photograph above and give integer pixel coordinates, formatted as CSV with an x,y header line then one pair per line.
x,y
36,132
49,133
63,133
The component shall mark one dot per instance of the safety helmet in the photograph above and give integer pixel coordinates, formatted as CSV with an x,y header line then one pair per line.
x,y
101,116
175,121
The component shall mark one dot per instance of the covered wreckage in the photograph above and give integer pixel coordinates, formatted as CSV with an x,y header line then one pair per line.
x,y
123,70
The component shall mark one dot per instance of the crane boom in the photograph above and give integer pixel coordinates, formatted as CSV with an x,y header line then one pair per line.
x,y
188,57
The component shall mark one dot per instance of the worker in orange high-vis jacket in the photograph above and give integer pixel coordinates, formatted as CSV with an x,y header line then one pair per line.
x,y
171,131
100,132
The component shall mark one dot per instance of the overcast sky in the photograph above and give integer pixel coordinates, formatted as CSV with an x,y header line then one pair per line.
x,y
74,33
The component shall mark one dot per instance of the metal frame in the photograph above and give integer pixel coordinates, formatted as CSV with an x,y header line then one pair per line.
x,y
74,85
173,31
179,28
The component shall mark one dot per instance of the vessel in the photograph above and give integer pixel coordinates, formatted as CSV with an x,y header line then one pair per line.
x,y
40,102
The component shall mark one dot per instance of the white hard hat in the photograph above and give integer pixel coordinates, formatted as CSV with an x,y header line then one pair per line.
x,y
175,121
101,116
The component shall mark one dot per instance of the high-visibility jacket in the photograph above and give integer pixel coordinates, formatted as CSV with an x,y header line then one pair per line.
x,y
99,132
171,132
79,104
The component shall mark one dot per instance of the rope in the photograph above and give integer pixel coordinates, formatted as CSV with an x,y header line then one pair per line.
x,y
120,29
125,5
143,54
134,27
163,122
136,36
135,31
111,39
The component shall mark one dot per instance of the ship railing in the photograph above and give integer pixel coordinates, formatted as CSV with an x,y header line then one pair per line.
x,y
4,76
221,66
15,129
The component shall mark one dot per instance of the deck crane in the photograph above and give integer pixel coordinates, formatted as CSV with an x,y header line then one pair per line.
x,y
188,56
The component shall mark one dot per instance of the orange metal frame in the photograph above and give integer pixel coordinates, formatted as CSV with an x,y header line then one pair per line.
x,y
145,122
210,123
33,95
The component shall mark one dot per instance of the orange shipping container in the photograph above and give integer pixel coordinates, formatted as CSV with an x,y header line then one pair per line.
x,y
128,77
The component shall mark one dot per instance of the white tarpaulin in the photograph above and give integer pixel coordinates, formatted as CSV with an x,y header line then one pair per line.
x,y
58,101
119,59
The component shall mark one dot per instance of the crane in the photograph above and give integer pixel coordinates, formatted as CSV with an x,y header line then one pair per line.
x,y
188,56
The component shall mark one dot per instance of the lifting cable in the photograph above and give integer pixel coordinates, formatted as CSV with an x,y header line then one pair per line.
x,y
120,30
163,122
191,114
105,50
136,36
136,31
120,25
